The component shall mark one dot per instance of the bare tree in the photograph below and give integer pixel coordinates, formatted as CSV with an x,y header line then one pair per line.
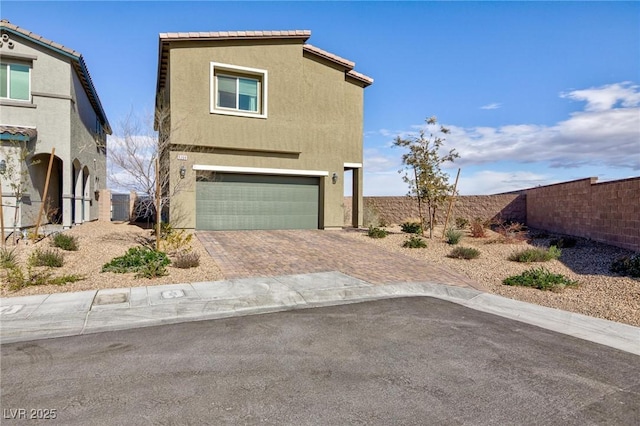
x,y
139,144
18,159
427,182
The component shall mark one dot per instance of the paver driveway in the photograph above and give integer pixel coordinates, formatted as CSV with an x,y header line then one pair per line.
x,y
242,254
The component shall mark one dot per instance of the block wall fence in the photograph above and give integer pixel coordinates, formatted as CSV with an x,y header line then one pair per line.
x,y
607,212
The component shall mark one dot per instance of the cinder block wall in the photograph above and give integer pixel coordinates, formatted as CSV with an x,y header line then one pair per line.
x,y
396,210
608,212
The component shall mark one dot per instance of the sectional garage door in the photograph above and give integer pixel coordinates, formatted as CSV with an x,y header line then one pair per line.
x,y
234,201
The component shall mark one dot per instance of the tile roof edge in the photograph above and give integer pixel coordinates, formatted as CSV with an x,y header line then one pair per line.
x,y
328,55
360,76
245,34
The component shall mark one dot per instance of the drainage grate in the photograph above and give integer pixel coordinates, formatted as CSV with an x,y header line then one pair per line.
x,y
172,294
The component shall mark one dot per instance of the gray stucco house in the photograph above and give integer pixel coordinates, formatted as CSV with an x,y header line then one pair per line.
x,y
47,100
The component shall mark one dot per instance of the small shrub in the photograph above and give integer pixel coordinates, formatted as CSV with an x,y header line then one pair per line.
x,y
185,260
478,228
64,279
51,258
415,242
411,227
564,242
65,242
541,279
16,279
175,241
510,232
370,216
461,223
453,236
377,232
155,268
136,259
464,253
8,258
536,255
627,265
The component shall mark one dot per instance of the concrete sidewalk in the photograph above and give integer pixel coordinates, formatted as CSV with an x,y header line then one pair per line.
x,y
69,314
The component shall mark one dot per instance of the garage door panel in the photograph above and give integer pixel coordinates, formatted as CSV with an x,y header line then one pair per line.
x,y
257,202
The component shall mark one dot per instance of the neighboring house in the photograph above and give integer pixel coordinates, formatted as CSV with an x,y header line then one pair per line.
x,y
262,130
47,100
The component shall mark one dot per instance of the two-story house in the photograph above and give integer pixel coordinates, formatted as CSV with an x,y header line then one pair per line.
x,y
262,129
47,100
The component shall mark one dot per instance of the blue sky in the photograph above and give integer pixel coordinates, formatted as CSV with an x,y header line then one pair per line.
x,y
534,92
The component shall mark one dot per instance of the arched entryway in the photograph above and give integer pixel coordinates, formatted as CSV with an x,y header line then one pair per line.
x,y
78,185
52,212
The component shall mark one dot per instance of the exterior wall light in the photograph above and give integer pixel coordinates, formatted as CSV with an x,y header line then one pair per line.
x,y
3,166
334,178
183,172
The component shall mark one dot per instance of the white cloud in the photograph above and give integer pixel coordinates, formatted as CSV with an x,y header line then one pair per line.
x,y
606,97
494,105
492,182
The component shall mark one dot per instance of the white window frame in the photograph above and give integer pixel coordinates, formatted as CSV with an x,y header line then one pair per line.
x,y
217,68
9,98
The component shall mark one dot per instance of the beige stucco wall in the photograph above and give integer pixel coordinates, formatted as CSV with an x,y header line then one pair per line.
x,y
314,122
61,112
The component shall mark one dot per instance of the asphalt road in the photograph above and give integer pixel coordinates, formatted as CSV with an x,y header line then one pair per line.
x,y
398,361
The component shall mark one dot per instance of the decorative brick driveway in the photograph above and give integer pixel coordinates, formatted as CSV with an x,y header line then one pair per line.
x,y
243,254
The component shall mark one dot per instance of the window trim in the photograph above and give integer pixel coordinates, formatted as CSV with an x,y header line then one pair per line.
x,y
238,72
9,98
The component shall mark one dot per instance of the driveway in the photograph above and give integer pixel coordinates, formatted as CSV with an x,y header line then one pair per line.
x,y
243,254
411,361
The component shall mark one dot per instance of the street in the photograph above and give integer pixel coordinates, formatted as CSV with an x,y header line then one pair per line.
x,y
397,361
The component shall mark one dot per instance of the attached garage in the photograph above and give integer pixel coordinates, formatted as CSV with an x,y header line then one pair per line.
x,y
228,201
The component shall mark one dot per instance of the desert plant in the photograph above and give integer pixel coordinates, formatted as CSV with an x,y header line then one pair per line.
x,y
51,258
65,242
461,223
415,242
16,279
541,279
627,265
64,279
422,170
135,259
152,269
173,241
411,227
478,228
563,242
536,254
453,236
8,258
510,232
370,216
375,232
185,260
464,253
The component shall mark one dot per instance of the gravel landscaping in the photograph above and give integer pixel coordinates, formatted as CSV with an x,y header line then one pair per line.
x,y
600,293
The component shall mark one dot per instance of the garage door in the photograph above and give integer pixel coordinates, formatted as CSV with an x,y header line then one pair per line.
x,y
232,201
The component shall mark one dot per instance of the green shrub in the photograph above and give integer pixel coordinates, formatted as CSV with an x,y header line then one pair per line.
x,y
627,265
541,279
453,236
16,279
8,258
51,258
461,223
537,254
464,253
185,260
376,232
155,268
65,242
411,227
136,259
478,228
415,242
564,242
64,279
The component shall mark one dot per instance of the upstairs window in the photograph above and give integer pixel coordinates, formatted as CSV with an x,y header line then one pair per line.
x,y
15,82
238,90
